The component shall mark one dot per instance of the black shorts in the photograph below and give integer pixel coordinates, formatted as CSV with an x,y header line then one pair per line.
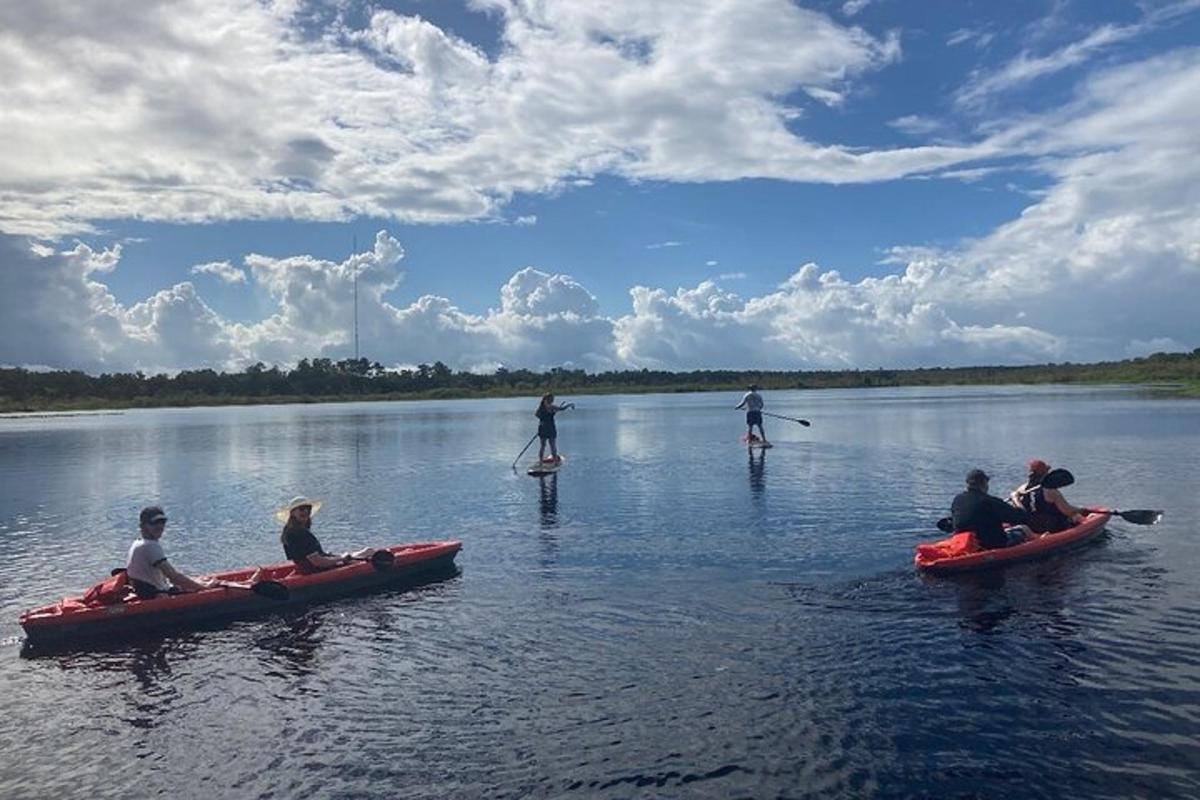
x,y
547,431
753,418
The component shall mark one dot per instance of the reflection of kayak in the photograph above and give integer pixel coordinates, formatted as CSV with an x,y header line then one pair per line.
x,y
546,467
72,620
960,553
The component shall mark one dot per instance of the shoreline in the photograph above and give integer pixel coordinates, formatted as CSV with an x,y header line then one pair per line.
x,y
96,406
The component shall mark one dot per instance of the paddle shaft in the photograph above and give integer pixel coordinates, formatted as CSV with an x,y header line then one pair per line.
x,y
803,422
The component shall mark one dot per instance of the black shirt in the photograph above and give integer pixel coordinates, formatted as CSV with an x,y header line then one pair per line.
x,y
299,544
977,511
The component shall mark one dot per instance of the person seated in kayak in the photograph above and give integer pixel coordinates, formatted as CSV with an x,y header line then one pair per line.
x,y
1049,511
547,432
753,403
147,568
302,547
976,510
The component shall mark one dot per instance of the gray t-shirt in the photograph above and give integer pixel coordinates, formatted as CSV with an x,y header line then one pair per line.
x,y
752,401
145,555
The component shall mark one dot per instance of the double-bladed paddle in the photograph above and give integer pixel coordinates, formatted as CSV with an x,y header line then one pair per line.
x,y
272,590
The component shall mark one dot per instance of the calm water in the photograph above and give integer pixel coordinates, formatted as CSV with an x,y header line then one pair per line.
x,y
667,617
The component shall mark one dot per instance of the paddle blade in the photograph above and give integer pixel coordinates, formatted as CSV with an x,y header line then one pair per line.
x,y
382,559
804,422
1141,516
945,525
117,571
272,590
1057,479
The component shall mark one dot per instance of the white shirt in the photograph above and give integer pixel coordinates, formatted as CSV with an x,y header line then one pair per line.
x,y
144,557
752,401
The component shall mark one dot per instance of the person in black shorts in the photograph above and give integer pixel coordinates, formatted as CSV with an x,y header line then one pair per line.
x,y
753,403
302,547
547,432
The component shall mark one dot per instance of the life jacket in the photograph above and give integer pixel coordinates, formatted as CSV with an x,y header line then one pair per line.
x,y
108,591
1044,516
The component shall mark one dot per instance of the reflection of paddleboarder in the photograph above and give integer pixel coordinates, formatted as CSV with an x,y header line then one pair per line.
x,y
547,432
753,403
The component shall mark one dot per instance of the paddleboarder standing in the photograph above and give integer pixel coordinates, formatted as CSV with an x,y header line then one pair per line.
x,y
547,432
753,403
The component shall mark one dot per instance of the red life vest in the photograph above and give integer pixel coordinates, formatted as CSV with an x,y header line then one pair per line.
x,y
108,591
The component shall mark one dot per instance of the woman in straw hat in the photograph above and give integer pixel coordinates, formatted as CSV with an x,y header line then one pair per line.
x,y
302,547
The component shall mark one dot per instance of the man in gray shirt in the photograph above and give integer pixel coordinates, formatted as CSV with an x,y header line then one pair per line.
x,y
753,403
148,569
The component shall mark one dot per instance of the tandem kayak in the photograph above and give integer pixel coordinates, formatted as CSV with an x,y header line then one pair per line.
x,y
961,553
73,619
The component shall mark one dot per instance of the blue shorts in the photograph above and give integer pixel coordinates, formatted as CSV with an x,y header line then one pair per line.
x,y
753,418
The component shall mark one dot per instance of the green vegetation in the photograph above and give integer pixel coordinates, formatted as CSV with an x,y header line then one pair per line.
x,y
323,380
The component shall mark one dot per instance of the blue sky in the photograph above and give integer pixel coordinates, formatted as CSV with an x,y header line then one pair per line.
x,y
512,171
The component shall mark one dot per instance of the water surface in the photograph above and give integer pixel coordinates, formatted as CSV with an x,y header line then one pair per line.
x,y
669,616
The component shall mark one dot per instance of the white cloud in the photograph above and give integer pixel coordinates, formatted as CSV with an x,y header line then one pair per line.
x,y
729,276
1105,262
200,110
661,245
221,270
852,7
915,125
526,220
1027,67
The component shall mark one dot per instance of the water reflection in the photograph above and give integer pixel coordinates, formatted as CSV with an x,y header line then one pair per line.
x,y
548,500
295,647
758,470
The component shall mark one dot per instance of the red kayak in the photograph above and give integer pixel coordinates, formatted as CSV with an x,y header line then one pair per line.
x,y
74,618
961,553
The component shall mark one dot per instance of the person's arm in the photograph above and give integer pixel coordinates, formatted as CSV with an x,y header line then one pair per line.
x,y
1014,499
1006,513
178,579
1060,502
742,404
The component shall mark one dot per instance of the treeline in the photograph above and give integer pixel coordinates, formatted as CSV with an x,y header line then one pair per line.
x,y
324,379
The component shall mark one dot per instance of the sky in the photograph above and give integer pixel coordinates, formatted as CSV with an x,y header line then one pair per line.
x,y
734,184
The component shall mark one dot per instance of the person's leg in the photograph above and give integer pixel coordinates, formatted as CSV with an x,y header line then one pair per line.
x,y
554,449
541,448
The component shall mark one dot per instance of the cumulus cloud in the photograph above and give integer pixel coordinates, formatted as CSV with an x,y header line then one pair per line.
x,y
1104,262
221,270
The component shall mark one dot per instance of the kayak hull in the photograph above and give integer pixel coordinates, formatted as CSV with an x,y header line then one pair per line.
x,y
927,559
72,621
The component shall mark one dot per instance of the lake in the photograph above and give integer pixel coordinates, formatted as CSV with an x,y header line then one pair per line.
x,y
669,616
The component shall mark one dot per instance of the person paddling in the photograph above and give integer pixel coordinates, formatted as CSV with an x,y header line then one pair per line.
x,y
147,568
1049,511
302,547
976,510
547,432
753,403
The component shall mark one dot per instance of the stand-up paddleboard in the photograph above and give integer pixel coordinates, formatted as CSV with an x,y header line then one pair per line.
x,y
546,467
755,442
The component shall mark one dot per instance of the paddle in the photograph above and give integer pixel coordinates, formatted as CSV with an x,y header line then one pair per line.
x,y
523,449
803,422
272,590
1141,516
380,559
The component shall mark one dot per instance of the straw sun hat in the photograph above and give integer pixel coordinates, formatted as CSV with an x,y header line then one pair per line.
x,y
300,500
